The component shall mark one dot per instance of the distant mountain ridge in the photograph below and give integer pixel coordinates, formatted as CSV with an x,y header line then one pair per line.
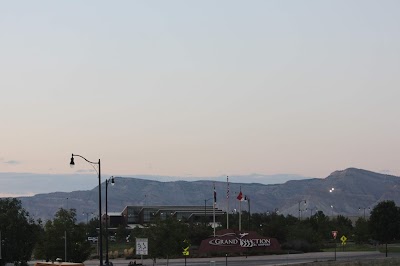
x,y
29,184
354,189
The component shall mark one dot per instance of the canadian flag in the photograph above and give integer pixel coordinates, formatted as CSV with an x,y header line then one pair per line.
x,y
240,196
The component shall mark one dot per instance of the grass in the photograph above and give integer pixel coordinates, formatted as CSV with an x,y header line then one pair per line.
x,y
123,249
120,245
392,248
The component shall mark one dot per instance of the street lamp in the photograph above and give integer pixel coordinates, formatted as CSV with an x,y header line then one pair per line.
x,y
305,202
87,216
72,164
311,210
65,236
111,179
364,210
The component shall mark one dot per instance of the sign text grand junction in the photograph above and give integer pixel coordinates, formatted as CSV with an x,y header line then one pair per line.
x,y
239,242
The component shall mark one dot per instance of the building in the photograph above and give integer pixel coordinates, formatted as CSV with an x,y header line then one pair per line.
x,y
138,216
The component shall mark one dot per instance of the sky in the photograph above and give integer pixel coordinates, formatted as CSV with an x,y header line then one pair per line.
x,y
198,88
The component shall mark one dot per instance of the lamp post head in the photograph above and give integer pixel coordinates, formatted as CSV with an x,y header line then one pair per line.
x,y
72,163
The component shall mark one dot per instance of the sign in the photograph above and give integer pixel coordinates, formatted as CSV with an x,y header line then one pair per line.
x,y
334,234
242,240
229,240
142,246
185,251
343,239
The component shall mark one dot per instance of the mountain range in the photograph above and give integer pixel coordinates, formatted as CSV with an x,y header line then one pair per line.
x,y
351,192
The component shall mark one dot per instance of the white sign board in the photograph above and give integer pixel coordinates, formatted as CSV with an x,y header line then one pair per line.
x,y
142,246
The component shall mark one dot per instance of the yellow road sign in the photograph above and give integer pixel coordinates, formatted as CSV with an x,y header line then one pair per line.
x,y
185,251
343,239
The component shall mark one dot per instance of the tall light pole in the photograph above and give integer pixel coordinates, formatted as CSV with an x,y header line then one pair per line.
x,y
65,237
87,216
364,210
331,191
111,179
311,210
305,202
72,163
65,245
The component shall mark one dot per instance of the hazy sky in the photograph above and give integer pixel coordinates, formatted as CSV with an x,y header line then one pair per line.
x,y
200,88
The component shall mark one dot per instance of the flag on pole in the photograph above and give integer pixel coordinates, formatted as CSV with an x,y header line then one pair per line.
x,y
240,196
227,202
215,195
227,191
215,203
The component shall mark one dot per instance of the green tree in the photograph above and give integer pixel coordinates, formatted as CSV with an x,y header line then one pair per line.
x,y
361,231
166,238
198,232
343,225
91,227
385,222
18,232
122,233
322,226
53,243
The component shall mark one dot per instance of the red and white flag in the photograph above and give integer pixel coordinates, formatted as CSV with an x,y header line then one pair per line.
x,y
240,196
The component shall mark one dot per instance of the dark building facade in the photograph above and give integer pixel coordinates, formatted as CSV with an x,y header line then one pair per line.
x,y
143,215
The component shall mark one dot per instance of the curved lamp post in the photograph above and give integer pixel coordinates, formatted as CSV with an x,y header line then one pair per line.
x,y
111,179
72,163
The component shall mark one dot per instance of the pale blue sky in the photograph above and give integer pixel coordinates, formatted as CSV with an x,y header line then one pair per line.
x,y
200,88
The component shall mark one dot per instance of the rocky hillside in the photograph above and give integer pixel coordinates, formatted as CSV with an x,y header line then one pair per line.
x,y
354,191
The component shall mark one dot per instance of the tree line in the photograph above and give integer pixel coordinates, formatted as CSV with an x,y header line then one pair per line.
x,y
23,238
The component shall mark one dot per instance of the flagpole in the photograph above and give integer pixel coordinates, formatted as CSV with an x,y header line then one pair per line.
x,y
240,211
227,203
248,204
215,201
240,215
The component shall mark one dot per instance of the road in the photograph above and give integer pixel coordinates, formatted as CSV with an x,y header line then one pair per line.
x,y
287,259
